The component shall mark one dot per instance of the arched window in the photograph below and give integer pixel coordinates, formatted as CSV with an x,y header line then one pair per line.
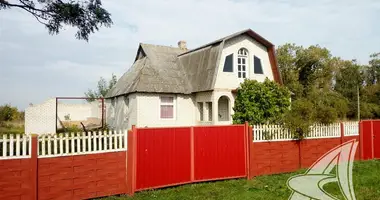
x,y
242,63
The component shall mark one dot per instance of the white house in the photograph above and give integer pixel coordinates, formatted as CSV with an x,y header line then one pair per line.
x,y
173,86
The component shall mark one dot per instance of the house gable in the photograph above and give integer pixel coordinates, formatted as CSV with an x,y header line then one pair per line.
x,y
253,62
163,69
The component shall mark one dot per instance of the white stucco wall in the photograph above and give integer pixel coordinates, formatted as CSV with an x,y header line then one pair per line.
x,y
40,119
148,111
123,113
144,110
230,80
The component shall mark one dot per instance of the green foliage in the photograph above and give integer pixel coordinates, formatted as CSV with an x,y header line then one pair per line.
x,y
9,113
11,127
329,106
320,107
260,103
373,73
87,16
303,69
70,129
329,85
67,117
300,118
102,89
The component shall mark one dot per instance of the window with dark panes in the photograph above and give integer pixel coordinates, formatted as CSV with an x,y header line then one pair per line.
x,y
257,66
229,63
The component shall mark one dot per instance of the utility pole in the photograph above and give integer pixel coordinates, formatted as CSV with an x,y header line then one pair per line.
x,y
357,88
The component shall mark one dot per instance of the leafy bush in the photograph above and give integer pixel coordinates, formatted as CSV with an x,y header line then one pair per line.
x,y
260,103
8,113
299,119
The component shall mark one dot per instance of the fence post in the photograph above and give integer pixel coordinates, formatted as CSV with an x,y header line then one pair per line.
x,y
299,143
131,161
249,142
361,140
372,144
34,166
192,168
341,132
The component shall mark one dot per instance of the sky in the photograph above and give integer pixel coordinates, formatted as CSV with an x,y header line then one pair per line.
x,y
35,66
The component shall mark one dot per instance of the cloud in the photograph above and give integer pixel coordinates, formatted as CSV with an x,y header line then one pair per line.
x,y
36,66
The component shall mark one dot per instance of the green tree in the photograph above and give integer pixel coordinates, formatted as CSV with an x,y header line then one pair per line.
x,y
305,68
87,15
102,88
9,113
287,58
349,78
260,103
373,71
321,106
299,119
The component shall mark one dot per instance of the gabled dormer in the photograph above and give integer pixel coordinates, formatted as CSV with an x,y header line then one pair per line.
x,y
246,56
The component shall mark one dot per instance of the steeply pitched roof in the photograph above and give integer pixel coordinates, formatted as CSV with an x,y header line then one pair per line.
x,y
163,69
158,71
249,32
200,67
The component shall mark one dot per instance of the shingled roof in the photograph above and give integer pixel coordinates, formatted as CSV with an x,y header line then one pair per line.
x,y
163,69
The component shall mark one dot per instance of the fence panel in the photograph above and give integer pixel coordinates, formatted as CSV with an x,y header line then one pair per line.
x,y
65,144
265,133
351,128
367,140
219,152
14,146
163,157
324,131
376,139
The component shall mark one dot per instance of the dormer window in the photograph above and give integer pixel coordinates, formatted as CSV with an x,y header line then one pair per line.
x,y
242,63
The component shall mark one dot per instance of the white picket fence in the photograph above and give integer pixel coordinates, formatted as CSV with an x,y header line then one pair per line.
x,y
351,128
15,146
271,132
81,143
324,131
263,133
54,145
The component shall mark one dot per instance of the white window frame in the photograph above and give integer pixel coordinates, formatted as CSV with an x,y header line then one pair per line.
x,y
242,54
173,104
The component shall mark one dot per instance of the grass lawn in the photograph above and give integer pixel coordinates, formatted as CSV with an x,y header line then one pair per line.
x,y
366,178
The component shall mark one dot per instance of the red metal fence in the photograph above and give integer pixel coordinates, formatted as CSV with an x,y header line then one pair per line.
x,y
371,139
161,157
173,156
219,152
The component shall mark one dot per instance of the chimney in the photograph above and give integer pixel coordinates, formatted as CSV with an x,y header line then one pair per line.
x,y
182,45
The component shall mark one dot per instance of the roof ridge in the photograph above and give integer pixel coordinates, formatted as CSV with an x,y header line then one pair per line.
x,y
159,45
248,31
